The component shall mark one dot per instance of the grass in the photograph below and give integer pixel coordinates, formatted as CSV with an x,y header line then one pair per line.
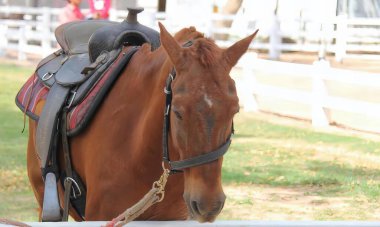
x,y
324,165
16,197
286,156
280,155
272,171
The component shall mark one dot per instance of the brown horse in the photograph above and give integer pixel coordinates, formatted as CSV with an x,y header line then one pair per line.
x,y
119,154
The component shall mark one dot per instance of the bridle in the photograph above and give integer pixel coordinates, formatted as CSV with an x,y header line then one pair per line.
x,y
179,166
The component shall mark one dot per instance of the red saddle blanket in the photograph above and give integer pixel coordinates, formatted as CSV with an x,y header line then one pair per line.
x,y
34,92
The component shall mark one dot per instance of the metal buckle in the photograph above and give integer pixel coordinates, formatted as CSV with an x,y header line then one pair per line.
x,y
167,91
167,110
74,93
75,195
47,76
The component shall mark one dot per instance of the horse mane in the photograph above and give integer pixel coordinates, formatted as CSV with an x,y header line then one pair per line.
x,y
207,52
203,48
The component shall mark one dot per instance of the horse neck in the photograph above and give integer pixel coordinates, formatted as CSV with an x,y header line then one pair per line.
x,y
141,89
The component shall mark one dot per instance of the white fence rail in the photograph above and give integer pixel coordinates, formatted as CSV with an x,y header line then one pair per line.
x,y
34,33
322,89
340,35
219,224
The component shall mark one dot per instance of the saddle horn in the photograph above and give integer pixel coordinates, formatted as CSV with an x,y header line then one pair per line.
x,y
132,14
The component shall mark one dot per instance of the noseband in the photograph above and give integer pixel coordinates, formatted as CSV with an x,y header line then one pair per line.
x,y
178,166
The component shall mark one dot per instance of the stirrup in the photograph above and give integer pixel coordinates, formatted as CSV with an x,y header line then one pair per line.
x,y
51,211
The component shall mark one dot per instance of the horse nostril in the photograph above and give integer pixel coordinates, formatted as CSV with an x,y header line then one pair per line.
x,y
221,206
195,207
212,210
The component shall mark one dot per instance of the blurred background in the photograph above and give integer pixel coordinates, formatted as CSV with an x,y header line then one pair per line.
x,y
307,145
326,33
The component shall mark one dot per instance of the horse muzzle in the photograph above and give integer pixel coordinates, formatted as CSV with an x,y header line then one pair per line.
x,y
205,210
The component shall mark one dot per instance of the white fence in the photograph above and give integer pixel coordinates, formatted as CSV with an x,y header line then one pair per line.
x,y
340,35
220,224
34,34
319,88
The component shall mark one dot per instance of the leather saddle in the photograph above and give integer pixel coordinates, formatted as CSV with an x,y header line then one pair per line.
x,y
88,50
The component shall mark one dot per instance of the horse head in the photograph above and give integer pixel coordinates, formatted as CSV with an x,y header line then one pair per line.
x,y
204,103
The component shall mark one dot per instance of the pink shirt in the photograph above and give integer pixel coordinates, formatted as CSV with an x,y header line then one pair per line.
x,y
70,13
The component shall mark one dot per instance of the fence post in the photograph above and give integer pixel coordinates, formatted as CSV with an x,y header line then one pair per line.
x,y
248,83
3,39
323,42
22,43
320,115
341,37
274,38
46,32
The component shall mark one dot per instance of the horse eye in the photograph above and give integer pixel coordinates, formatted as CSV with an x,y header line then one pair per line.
x,y
177,114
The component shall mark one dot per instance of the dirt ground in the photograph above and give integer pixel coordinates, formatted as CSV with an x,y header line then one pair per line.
x,y
296,203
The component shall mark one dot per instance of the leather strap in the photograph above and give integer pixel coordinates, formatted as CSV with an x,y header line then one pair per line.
x,y
48,122
166,128
201,159
49,58
69,171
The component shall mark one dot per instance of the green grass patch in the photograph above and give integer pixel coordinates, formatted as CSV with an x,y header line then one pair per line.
x,y
278,155
16,197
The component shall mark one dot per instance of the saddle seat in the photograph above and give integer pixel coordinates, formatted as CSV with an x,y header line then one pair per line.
x,y
73,37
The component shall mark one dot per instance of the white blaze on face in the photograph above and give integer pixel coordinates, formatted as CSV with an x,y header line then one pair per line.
x,y
207,100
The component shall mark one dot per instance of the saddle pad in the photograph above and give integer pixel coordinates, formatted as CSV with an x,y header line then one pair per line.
x,y
30,95
34,92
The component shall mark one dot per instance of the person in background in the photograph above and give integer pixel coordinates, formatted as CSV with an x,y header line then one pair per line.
x,y
71,12
99,9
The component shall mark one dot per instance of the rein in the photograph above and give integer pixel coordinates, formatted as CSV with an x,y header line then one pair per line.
x,y
156,194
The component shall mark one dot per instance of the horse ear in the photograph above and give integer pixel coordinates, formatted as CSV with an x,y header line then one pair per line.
x,y
234,52
170,45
